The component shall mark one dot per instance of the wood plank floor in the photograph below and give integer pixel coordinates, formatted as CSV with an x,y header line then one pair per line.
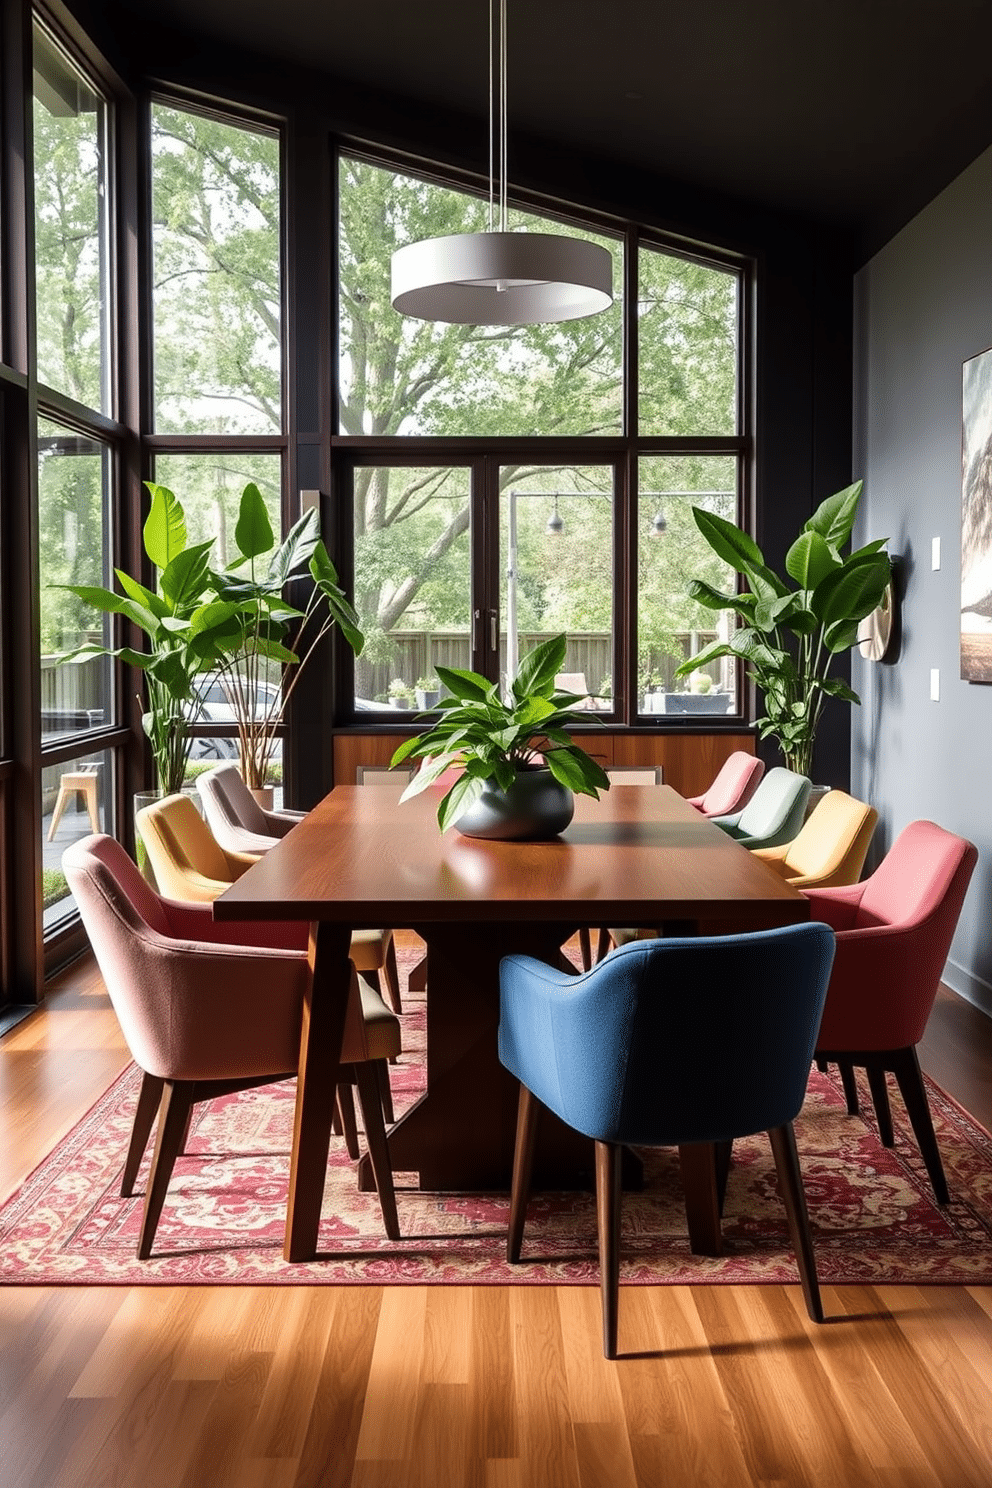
x,y
488,1387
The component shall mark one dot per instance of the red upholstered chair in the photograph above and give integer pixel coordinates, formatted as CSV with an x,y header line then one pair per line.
x,y
894,933
734,785
208,1007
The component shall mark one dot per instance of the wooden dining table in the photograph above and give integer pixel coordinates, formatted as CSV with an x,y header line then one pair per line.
x,y
639,856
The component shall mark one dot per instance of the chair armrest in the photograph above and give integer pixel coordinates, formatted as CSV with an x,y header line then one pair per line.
x,y
195,922
881,988
728,823
696,801
282,821
837,906
240,861
772,855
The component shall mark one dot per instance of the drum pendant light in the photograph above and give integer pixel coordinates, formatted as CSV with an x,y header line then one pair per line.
x,y
497,277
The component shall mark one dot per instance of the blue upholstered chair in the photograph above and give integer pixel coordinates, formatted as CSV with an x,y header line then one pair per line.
x,y
668,1043
774,813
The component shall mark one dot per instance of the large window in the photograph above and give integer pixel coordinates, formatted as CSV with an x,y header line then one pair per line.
x,y
216,292
590,532
73,266
414,377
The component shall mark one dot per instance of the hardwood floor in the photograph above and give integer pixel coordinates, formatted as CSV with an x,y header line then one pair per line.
x,y
488,1387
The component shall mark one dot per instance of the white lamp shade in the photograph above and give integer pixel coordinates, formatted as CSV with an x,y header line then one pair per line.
x,y
501,278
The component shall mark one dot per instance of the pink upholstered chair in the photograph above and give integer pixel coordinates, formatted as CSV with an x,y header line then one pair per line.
x,y
208,1007
734,785
894,933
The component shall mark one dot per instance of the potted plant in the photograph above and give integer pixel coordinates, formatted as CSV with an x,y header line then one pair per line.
x,y
427,691
789,634
173,666
250,631
520,766
399,693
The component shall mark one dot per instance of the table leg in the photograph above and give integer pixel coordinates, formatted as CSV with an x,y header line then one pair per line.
x,y
320,1048
460,1135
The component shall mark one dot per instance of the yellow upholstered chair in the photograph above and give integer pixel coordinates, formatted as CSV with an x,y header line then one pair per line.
x,y
831,847
191,866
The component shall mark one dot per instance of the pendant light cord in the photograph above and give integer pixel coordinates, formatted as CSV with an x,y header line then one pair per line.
x,y
497,146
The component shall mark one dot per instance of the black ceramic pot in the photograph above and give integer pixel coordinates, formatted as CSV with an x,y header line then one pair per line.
x,y
533,809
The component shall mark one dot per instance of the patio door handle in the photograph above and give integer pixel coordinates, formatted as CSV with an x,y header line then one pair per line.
x,y
493,631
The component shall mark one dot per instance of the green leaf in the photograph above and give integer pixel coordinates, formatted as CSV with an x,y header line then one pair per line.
x,y
712,598
537,672
837,687
148,598
464,685
712,652
834,518
809,559
325,576
165,527
852,592
296,550
253,533
184,580
466,790
728,541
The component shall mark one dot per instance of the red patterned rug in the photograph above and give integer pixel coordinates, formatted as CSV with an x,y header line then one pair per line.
x,y
873,1214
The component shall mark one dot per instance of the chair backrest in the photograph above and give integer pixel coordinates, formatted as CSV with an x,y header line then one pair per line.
x,y
734,785
636,774
632,1058
924,875
227,798
383,777
834,840
184,855
780,798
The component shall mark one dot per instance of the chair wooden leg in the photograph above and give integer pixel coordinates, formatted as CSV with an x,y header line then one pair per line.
x,y
823,1065
528,1115
346,1114
602,943
585,948
417,980
906,1067
880,1100
385,1091
149,1100
783,1140
391,977
608,1224
375,1136
850,1085
173,1113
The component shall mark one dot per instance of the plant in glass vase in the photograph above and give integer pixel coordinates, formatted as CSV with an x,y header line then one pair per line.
x,y
173,666
513,751
256,642
789,635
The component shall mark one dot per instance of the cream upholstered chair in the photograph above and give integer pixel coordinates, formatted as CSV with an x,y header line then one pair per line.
x,y
237,821
831,846
208,1007
189,864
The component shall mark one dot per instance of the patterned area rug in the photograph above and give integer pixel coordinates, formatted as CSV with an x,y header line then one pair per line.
x,y
873,1214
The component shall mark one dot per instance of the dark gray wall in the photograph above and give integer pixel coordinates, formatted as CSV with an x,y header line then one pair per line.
x,y
923,305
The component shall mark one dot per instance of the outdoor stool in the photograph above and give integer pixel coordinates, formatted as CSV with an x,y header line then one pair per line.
x,y
72,783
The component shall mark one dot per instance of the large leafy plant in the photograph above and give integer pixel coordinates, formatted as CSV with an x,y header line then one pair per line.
x,y
789,634
233,625
493,738
173,665
254,639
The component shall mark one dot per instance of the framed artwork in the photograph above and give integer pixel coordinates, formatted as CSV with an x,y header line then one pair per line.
x,y
976,519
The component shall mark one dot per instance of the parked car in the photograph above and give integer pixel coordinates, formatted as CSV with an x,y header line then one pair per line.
x,y
217,708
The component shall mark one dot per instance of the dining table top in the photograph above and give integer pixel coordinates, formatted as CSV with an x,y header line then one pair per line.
x,y
638,854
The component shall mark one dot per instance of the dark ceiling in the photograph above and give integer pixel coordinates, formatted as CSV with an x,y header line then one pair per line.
x,y
853,112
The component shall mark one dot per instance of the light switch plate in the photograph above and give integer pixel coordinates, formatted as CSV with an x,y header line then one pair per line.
x,y
935,554
935,684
